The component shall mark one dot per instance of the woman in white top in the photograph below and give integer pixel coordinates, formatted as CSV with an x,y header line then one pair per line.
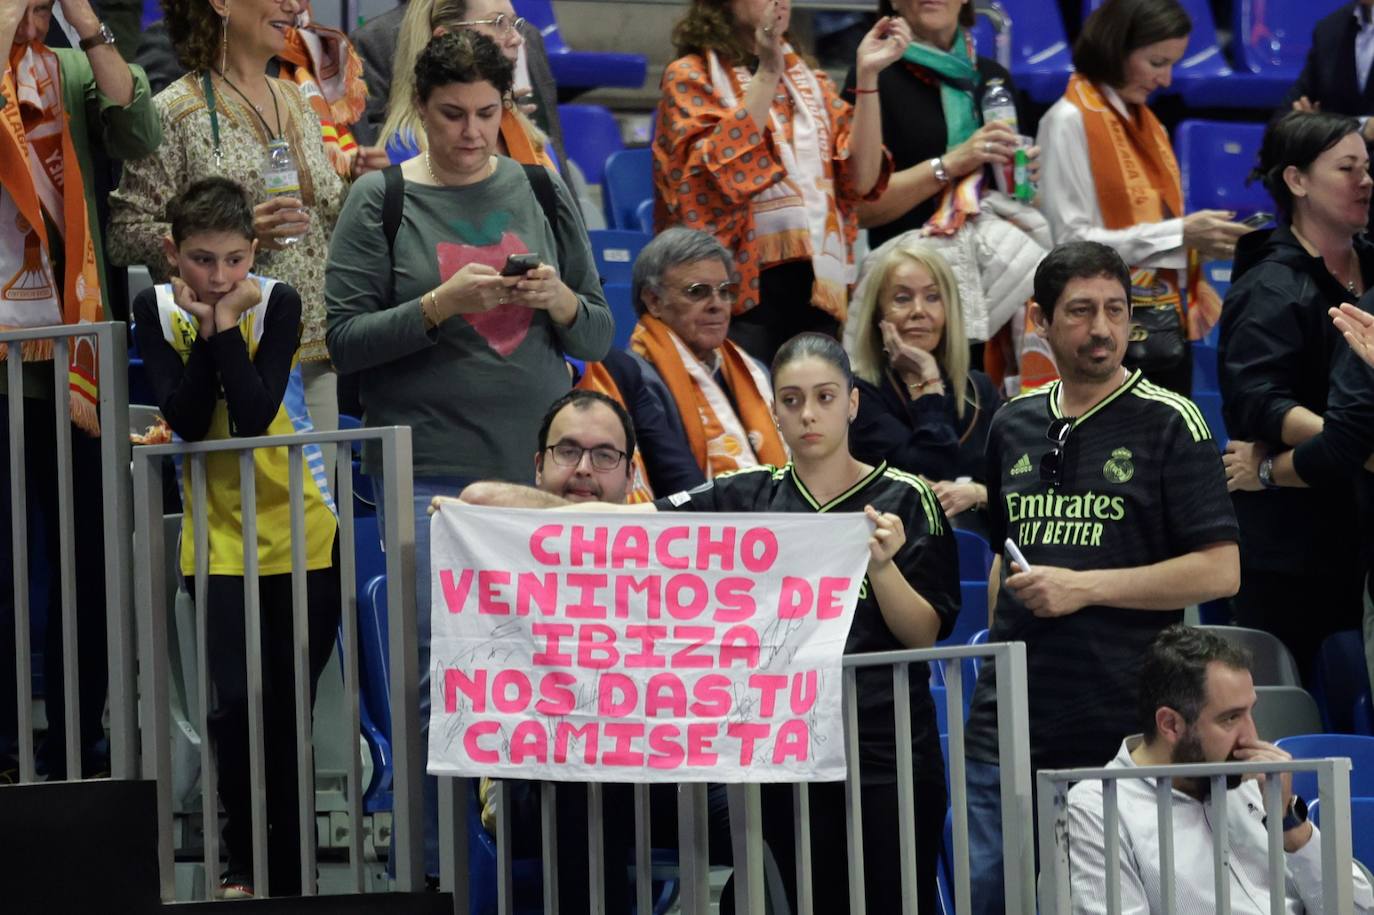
x,y
1108,174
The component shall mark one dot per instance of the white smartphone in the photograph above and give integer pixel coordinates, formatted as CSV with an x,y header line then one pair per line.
x,y
1016,556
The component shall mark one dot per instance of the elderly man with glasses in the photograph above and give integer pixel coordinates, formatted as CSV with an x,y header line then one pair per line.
x,y
702,406
1112,488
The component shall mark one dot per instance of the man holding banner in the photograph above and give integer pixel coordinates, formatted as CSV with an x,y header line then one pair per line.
x,y
659,650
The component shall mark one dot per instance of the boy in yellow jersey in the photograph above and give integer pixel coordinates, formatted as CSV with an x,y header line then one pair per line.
x,y
220,349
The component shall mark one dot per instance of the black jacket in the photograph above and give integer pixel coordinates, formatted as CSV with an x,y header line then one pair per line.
x,y
924,436
1329,75
1277,351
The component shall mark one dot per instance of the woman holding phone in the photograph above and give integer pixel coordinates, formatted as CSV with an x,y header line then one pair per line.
x,y
461,333
910,600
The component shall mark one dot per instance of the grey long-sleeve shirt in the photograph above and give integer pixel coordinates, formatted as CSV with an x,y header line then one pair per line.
x,y
474,389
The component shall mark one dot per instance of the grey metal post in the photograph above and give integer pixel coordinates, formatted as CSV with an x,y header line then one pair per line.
x,y
1013,751
505,885
409,766
252,634
209,770
693,849
853,793
152,672
958,783
19,553
746,839
801,826
1054,852
1333,789
1164,811
1221,845
596,850
300,632
1273,822
348,616
548,818
66,528
643,854
1112,846
906,801
113,361
453,839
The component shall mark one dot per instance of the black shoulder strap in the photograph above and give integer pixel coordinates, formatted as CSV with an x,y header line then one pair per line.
x,y
542,184
393,204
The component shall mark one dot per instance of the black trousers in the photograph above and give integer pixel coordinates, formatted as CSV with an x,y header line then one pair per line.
x,y
829,845
40,467
229,712
784,310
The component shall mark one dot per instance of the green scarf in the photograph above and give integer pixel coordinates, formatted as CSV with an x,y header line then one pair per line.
x,y
958,80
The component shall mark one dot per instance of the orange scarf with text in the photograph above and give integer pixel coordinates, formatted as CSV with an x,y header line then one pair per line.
x,y
329,73
1137,181
596,378
726,437
41,185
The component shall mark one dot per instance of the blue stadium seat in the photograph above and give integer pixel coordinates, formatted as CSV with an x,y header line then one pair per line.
x,y
623,311
644,214
1364,715
1361,827
1204,367
1359,749
591,135
1271,41
629,180
1209,402
1215,158
1040,59
615,251
373,678
975,556
973,612
970,668
1339,678
938,694
579,70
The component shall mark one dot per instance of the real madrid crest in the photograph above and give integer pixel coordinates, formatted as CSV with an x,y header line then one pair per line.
x,y
1119,468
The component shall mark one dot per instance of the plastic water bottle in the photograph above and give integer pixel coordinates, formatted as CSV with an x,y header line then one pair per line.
x,y
280,177
998,105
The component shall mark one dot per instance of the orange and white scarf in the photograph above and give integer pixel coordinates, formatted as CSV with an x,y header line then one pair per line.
x,y
726,436
1137,181
42,176
329,73
597,378
799,217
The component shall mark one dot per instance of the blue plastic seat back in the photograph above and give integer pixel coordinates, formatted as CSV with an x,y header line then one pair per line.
x,y
591,135
973,612
1357,747
615,251
1040,59
1339,678
1361,827
644,216
623,311
539,13
628,182
374,667
1215,158
975,556
581,69
1273,35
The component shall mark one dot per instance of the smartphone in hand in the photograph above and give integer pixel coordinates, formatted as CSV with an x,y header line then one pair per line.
x,y
519,264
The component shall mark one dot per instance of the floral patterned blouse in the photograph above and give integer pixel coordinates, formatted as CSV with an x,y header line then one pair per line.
x,y
138,210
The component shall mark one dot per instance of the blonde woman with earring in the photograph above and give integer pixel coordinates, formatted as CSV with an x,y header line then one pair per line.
x,y
221,118
403,133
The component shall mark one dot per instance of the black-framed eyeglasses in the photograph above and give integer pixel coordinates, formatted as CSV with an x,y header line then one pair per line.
x,y
1052,464
697,293
569,454
500,21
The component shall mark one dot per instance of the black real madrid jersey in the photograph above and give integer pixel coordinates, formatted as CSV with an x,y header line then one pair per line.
x,y
1140,481
928,561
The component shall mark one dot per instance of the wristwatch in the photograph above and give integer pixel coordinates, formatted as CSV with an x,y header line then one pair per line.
x,y
938,166
1266,474
103,35
1296,814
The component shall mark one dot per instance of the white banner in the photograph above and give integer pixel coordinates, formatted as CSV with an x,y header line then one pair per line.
x,y
576,646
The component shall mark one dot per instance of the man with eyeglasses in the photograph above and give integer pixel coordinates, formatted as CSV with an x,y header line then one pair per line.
x,y
702,405
586,449
1113,490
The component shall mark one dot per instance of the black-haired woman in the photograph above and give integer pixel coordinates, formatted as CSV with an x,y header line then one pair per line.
x,y
442,341
1110,175
1300,576
910,601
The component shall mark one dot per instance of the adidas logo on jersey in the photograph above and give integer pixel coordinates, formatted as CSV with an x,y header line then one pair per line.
x,y
1021,466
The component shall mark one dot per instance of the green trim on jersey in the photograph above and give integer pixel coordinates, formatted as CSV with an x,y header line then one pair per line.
x,y
1192,416
869,477
1127,385
935,515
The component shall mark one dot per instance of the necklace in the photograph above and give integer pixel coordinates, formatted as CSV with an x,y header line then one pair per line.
x,y
257,109
429,167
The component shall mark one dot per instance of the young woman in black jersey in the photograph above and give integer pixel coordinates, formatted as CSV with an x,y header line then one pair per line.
x,y
909,600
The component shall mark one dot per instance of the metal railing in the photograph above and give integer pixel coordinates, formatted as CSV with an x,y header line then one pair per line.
x,y
152,603
113,401
745,819
1333,785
